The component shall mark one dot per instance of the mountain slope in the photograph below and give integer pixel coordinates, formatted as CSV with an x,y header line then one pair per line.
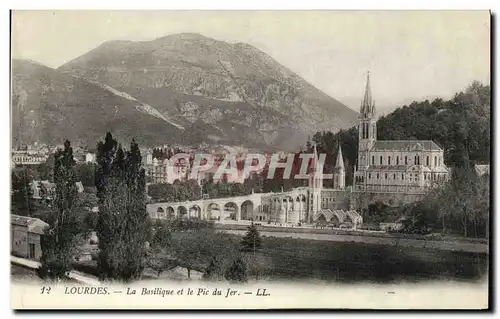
x,y
219,92
48,106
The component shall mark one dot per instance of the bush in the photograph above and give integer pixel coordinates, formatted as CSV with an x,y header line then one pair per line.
x,y
237,272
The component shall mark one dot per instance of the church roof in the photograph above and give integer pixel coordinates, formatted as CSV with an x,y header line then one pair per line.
x,y
406,145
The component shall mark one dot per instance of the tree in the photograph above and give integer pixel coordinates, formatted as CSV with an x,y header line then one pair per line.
x,y
86,174
60,238
161,237
237,272
159,262
214,271
251,241
123,227
193,252
21,193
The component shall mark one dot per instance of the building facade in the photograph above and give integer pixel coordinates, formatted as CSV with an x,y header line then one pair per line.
x,y
394,172
28,158
25,235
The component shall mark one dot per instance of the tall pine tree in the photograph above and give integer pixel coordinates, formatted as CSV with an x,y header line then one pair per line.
x,y
59,240
251,241
123,226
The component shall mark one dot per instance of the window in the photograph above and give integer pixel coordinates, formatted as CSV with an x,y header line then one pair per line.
x,y
427,161
380,160
369,175
378,176
389,160
373,159
385,175
435,160
397,160
402,176
393,176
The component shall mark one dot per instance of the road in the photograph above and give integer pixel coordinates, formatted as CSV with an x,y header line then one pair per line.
x,y
432,244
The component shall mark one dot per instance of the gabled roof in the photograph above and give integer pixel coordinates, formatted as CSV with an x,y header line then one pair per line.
x,y
406,145
34,225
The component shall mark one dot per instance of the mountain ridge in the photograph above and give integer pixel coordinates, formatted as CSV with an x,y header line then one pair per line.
x,y
218,92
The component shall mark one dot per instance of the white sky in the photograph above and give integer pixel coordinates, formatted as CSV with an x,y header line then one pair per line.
x,y
410,54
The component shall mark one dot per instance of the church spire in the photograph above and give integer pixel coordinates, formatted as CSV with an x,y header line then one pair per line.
x,y
340,160
314,159
367,106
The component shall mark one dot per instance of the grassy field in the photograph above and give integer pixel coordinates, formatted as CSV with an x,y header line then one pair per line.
x,y
281,259
301,259
289,258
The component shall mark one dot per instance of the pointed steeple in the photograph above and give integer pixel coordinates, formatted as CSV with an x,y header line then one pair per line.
x,y
367,106
340,160
314,162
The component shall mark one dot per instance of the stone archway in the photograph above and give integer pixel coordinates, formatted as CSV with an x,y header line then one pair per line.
x,y
170,213
230,211
195,212
182,212
160,213
213,211
247,210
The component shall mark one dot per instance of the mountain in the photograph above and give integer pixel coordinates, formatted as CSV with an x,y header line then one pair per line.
x,y
183,88
219,92
49,106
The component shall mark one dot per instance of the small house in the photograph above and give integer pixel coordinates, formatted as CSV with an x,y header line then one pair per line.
x,y
26,233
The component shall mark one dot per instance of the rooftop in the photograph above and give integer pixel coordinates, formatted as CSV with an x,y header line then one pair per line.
x,y
407,145
34,225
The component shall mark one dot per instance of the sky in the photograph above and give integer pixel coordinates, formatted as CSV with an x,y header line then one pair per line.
x,y
411,55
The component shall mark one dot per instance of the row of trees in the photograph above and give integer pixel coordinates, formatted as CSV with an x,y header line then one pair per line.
x,y
122,225
216,255
460,207
126,244
177,192
257,182
22,202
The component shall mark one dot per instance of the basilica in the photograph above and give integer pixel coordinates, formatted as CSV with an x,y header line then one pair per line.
x,y
392,171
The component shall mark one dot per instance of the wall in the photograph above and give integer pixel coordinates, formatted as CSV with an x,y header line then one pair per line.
x,y
19,240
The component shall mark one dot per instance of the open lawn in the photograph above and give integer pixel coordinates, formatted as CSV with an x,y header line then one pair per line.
x,y
303,259
290,258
